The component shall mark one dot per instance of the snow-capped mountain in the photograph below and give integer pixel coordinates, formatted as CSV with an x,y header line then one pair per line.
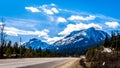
x,y
35,44
77,42
89,36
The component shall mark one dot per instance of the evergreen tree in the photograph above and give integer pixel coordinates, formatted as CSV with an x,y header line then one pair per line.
x,y
29,52
47,53
2,38
38,52
9,49
22,51
112,40
119,41
106,42
15,48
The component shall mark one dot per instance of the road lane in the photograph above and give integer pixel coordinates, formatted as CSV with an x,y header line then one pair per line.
x,y
52,64
14,63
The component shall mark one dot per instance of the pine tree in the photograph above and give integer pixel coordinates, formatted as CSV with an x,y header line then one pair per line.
x,y
38,52
106,42
47,53
119,41
29,52
2,38
9,49
15,49
112,40
22,51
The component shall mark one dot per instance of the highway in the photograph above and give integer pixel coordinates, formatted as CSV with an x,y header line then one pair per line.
x,y
33,62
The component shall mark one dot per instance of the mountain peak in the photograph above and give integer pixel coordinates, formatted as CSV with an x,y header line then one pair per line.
x,y
36,43
79,41
91,28
83,32
34,39
91,35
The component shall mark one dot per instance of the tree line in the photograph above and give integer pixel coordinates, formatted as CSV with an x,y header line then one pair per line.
x,y
16,51
95,57
112,42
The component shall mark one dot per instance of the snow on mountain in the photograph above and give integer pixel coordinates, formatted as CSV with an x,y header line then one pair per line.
x,y
77,42
89,36
35,44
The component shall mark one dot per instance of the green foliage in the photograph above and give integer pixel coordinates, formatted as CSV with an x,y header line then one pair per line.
x,y
16,51
15,48
38,52
9,49
47,53
114,41
97,57
92,52
106,42
29,52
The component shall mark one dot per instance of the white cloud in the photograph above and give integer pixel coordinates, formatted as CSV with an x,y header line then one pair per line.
x,y
80,26
15,32
44,34
54,10
73,17
107,18
32,9
46,8
61,19
1,23
112,24
29,23
49,9
52,4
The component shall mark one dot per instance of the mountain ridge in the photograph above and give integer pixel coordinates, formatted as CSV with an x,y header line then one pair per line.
x,y
36,43
75,42
96,35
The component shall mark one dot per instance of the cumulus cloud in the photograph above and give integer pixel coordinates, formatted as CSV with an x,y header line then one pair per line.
x,y
54,14
76,17
52,4
15,32
112,24
54,10
44,34
61,19
79,26
49,9
1,23
32,9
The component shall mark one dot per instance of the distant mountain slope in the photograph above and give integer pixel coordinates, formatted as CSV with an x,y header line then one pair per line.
x,y
89,36
76,42
35,44
79,41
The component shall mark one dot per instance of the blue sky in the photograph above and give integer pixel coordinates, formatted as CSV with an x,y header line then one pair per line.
x,y
51,20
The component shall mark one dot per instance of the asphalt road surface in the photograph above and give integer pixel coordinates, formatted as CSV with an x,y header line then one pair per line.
x,y
33,62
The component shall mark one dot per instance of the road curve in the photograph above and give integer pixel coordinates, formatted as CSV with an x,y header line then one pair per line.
x,y
33,62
